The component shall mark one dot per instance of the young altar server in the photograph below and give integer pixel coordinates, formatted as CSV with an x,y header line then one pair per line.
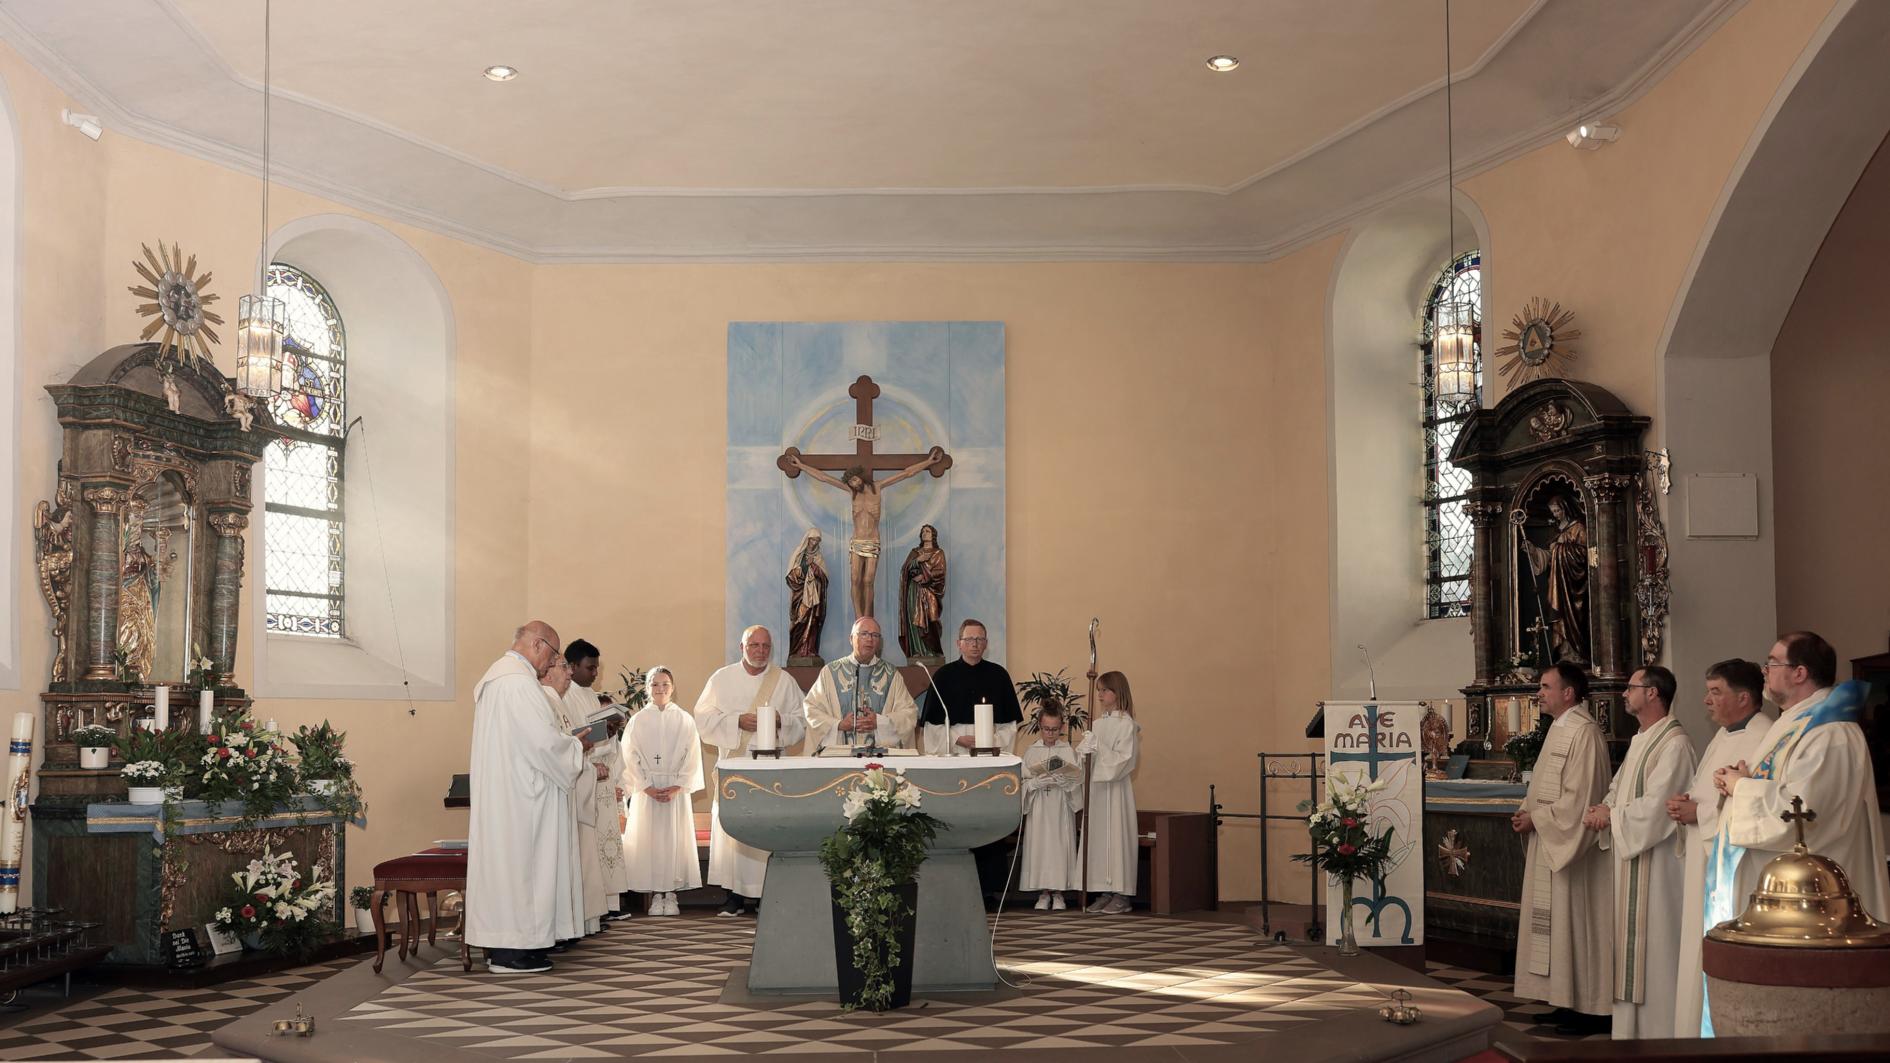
x,y
1109,835
584,706
663,762
1053,791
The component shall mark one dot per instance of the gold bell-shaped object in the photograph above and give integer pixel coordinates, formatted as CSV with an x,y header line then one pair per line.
x,y
1803,899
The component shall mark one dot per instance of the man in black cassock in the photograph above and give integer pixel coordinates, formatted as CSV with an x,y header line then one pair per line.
x,y
949,731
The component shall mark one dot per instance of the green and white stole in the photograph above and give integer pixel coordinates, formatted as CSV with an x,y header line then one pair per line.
x,y
1633,880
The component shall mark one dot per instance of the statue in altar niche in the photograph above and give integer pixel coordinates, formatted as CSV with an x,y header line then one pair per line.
x,y
863,551
137,602
922,600
807,601
1558,593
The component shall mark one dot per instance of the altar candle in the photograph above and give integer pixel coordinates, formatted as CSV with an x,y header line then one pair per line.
x,y
206,707
983,726
269,726
163,707
13,829
1515,716
765,727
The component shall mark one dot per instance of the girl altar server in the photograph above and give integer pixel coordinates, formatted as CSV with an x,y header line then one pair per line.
x,y
1053,791
663,767
1109,837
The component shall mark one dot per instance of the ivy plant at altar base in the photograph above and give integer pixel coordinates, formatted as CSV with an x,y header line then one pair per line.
x,y
867,861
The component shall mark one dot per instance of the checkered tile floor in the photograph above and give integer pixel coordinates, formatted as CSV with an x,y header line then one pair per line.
x,y
1523,1016
142,1023
656,991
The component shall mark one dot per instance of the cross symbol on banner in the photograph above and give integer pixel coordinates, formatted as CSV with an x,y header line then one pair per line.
x,y
1372,758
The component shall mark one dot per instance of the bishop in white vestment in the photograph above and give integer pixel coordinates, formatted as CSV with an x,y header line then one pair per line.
x,y
663,762
862,687
1053,792
727,718
1565,939
1110,835
1649,865
1735,690
520,833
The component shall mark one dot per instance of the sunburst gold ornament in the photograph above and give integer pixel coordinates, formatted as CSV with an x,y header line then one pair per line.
x,y
1540,342
177,300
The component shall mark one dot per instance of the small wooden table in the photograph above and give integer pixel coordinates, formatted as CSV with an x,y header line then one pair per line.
x,y
430,871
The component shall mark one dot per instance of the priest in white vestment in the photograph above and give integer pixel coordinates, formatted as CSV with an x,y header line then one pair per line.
x,y
584,706
1649,864
1815,752
1566,934
1735,693
727,717
861,694
1111,839
1053,792
520,831
587,893
663,761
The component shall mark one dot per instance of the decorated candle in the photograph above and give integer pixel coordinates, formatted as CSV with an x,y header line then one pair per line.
x,y
13,815
983,727
766,727
163,707
1515,716
206,706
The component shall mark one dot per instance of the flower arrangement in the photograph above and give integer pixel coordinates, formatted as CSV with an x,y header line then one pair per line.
x,y
867,861
146,773
152,758
1042,689
272,907
94,736
203,674
322,760
361,897
245,761
1343,845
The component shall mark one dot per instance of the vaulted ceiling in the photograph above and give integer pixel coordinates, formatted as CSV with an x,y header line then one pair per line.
x,y
729,129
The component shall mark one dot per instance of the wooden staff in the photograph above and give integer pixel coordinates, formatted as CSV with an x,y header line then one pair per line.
x,y
1082,826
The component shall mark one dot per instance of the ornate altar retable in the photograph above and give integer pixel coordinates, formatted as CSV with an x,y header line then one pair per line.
x,y
788,806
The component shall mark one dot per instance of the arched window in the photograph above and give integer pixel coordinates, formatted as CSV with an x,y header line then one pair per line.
x,y
1456,299
303,521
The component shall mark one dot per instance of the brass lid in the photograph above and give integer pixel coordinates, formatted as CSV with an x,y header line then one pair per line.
x,y
1804,900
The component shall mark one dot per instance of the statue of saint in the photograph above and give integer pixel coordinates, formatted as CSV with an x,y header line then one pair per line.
x,y
922,599
1434,736
863,551
137,608
1561,577
807,600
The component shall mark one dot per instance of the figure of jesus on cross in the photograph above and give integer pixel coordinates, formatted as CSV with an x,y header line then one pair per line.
x,y
857,480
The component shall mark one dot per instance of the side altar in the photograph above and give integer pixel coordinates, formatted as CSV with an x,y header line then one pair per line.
x,y
788,806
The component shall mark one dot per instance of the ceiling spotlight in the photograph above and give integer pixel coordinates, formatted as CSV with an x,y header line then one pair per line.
x,y
1221,64
84,123
1591,135
501,72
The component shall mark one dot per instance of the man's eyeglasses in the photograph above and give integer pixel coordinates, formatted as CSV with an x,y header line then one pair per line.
x,y
978,642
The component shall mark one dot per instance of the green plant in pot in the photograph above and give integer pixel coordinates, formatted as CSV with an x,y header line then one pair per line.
x,y
1525,747
326,771
873,864
154,765
95,743
1043,689
361,899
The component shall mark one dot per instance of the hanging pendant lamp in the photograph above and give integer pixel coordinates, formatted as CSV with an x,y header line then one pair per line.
x,y
261,319
1455,324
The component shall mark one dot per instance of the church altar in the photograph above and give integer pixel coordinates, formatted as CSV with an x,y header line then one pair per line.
x,y
790,805
1473,866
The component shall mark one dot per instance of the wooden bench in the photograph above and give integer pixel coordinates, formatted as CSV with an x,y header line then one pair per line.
x,y
432,872
1178,848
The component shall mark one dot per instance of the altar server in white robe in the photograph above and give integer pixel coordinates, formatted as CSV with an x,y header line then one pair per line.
x,y
520,832
727,716
1566,936
663,761
1053,792
1735,694
1110,843
861,693
1815,752
587,894
583,705
1649,865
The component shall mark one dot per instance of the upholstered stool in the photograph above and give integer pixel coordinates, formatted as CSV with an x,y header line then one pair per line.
x,y
429,871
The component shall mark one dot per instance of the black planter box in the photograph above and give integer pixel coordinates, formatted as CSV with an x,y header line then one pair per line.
x,y
852,980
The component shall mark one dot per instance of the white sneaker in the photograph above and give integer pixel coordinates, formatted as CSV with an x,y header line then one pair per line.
x,y
1043,901
1056,902
669,905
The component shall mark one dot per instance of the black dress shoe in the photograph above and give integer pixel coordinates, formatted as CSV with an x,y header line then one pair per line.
x,y
1579,1024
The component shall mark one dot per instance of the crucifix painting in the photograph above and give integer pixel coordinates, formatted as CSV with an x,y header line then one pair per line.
x,y
856,479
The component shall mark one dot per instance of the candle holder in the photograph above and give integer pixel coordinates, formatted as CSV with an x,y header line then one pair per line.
x,y
986,751
771,754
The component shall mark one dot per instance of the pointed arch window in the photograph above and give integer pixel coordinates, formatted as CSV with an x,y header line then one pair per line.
x,y
1456,299
304,522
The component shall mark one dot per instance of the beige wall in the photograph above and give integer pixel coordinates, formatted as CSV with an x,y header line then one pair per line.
x,y
1168,423
1830,373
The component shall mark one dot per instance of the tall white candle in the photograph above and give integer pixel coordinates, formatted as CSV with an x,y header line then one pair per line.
x,y
13,828
1515,716
766,727
983,725
163,707
206,707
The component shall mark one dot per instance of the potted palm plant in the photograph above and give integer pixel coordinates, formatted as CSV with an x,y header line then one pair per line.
x,y
1043,689
873,866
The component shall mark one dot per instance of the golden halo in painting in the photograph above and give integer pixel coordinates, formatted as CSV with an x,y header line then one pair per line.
x,y
177,300
1539,342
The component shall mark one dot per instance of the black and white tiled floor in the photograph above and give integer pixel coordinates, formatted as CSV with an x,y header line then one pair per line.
x,y
1523,1016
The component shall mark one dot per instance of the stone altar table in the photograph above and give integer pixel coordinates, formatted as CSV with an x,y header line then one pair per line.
x,y
788,806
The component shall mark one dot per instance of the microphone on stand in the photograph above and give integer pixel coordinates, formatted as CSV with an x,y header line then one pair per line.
x,y
940,695
1371,672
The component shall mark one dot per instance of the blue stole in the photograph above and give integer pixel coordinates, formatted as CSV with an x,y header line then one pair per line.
x,y
875,683
1845,704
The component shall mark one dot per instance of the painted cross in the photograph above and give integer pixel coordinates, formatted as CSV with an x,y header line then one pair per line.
x,y
1372,757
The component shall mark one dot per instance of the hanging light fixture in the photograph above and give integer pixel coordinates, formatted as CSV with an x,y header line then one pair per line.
x,y
261,320
1454,326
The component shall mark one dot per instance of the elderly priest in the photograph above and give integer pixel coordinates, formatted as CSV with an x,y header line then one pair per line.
x,y
860,699
1564,942
522,835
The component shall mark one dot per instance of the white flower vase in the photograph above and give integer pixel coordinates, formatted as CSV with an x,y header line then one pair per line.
x,y
95,756
145,795
364,921
324,787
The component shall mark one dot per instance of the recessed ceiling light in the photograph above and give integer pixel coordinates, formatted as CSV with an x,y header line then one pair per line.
x,y
1221,64
501,72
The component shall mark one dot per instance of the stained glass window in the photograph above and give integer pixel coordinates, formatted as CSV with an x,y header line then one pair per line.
x,y
1456,298
303,518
